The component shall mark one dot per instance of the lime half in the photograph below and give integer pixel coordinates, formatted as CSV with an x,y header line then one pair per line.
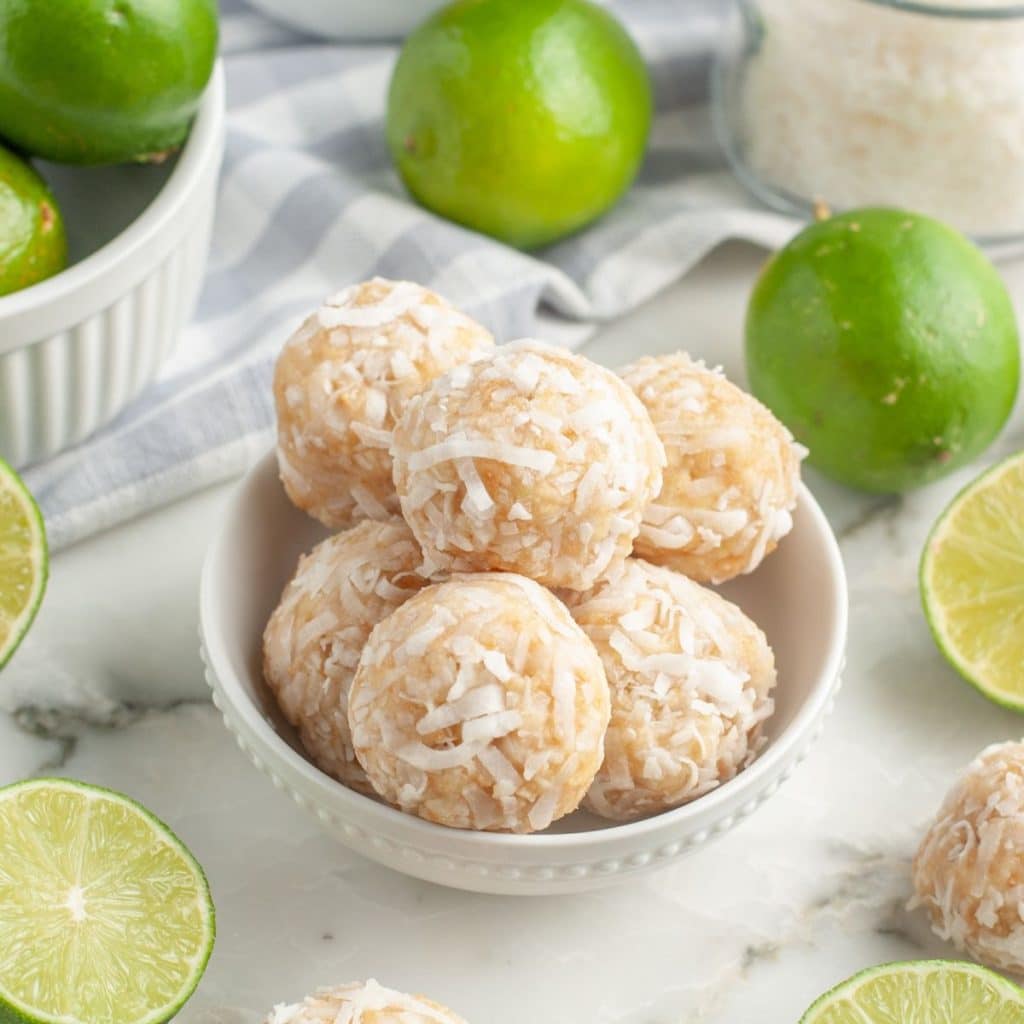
x,y
972,582
23,561
105,917
921,992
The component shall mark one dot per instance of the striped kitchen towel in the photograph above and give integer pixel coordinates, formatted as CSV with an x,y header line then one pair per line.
x,y
309,202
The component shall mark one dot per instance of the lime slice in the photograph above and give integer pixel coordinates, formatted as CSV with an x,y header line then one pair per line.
x,y
105,917
23,561
921,992
972,582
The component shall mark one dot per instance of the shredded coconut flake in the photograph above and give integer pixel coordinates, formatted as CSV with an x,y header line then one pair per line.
x,y
572,459
474,730
691,678
732,474
836,95
342,380
362,1003
969,869
457,449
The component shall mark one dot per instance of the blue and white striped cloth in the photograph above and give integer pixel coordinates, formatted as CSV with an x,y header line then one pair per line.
x,y
309,202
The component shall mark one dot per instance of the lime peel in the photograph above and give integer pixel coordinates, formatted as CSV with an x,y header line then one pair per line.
x,y
921,992
104,914
24,561
888,344
972,582
522,119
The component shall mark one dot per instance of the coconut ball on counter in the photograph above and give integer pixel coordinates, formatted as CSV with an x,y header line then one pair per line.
x,y
730,485
314,638
691,679
362,1003
480,704
342,381
531,460
969,869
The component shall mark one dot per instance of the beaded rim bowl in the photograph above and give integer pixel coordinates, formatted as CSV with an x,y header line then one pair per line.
x,y
798,597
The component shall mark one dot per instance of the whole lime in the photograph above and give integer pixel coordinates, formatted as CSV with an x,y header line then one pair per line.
x,y
33,244
523,119
887,343
103,81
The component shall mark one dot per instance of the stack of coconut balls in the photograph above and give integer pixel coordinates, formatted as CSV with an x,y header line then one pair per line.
x,y
512,620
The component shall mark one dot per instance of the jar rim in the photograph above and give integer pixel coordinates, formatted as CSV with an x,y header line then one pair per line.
x,y
994,11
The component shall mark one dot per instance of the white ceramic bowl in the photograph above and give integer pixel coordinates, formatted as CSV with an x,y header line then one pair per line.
x,y
798,597
76,348
350,19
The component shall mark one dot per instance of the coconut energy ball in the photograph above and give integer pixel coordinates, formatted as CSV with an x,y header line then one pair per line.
x,y
480,704
969,869
342,381
531,460
314,638
731,480
360,1003
691,680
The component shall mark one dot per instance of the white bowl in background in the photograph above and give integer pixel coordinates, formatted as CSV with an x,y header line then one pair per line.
x,y
77,347
798,597
350,19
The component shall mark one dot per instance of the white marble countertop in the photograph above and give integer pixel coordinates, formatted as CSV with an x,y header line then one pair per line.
x,y
108,688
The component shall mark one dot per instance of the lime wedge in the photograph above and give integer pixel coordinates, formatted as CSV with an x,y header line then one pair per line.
x,y
972,582
23,561
105,917
921,992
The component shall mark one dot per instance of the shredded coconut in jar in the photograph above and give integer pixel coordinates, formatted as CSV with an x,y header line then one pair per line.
x,y
969,869
730,485
855,103
314,638
362,1003
531,460
343,379
480,704
691,680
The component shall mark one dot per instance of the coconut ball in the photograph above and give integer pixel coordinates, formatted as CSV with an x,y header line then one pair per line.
x,y
362,1003
314,638
730,485
691,679
480,704
342,381
969,869
531,460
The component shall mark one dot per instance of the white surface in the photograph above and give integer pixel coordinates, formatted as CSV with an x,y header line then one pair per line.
x,y
750,929
77,347
261,538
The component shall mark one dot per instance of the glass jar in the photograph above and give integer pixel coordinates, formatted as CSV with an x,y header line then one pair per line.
x,y
878,102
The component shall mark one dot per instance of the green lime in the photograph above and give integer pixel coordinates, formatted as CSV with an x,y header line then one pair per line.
x,y
33,245
887,343
103,81
921,992
523,119
972,583
105,917
23,561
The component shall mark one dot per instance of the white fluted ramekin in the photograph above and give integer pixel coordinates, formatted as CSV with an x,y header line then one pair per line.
x,y
798,597
77,347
